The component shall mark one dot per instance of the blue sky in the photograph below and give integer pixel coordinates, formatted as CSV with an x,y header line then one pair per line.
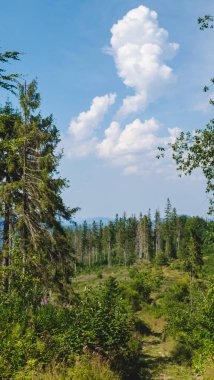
x,y
120,79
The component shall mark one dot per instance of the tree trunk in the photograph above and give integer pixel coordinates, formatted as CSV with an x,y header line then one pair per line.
x,y
190,290
109,254
6,248
24,232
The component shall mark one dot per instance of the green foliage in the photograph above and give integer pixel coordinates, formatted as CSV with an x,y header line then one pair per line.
x,y
30,193
8,81
92,367
191,325
138,289
192,252
196,150
35,335
85,367
161,259
126,241
182,353
206,22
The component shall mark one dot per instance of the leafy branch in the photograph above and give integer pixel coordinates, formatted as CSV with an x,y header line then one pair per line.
x,y
193,150
206,22
8,81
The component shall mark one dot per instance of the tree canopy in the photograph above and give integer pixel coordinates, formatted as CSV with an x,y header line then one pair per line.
x,y
195,150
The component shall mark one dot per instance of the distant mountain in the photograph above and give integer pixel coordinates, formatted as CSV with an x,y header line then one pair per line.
x,y
105,220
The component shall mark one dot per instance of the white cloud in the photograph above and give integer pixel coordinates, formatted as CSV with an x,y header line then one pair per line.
x,y
135,146
131,170
134,138
79,149
81,139
83,126
140,47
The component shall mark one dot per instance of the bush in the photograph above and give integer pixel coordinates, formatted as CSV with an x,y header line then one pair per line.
x,y
99,275
92,367
33,336
182,353
161,259
138,289
85,367
191,323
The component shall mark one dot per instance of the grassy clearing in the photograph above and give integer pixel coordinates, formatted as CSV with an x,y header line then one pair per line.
x,y
93,279
157,347
157,350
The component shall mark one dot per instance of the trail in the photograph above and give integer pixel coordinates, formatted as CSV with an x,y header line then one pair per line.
x,y
157,352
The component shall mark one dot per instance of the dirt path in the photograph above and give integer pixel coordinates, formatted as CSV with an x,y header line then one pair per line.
x,y
157,350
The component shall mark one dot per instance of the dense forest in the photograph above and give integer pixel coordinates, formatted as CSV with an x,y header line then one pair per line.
x,y
130,299
126,239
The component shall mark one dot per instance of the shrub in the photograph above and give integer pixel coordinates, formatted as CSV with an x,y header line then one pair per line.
x,y
33,336
92,367
191,321
85,367
182,353
138,289
161,259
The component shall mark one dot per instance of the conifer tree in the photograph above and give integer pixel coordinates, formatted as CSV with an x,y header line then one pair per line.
x,y
157,233
10,121
8,81
84,241
95,238
139,237
36,192
150,236
168,230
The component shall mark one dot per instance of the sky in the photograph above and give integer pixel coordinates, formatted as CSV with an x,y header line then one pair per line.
x,y
121,77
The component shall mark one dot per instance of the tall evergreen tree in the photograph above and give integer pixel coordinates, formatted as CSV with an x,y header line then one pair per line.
x,y
36,192
157,232
10,121
168,231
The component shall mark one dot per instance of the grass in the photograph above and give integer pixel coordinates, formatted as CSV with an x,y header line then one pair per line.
x,y
93,279
157,347
86,367
208,264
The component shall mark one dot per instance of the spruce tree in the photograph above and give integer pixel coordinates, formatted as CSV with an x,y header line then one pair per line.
x,y
157,232
10,121
35,188
8,81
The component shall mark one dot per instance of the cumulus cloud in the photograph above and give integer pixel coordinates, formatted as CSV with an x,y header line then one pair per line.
x,y
140,48
134,138
134,147
81,139
83,126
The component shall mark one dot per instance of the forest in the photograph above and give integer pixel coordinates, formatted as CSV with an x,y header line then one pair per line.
x,y
129,299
